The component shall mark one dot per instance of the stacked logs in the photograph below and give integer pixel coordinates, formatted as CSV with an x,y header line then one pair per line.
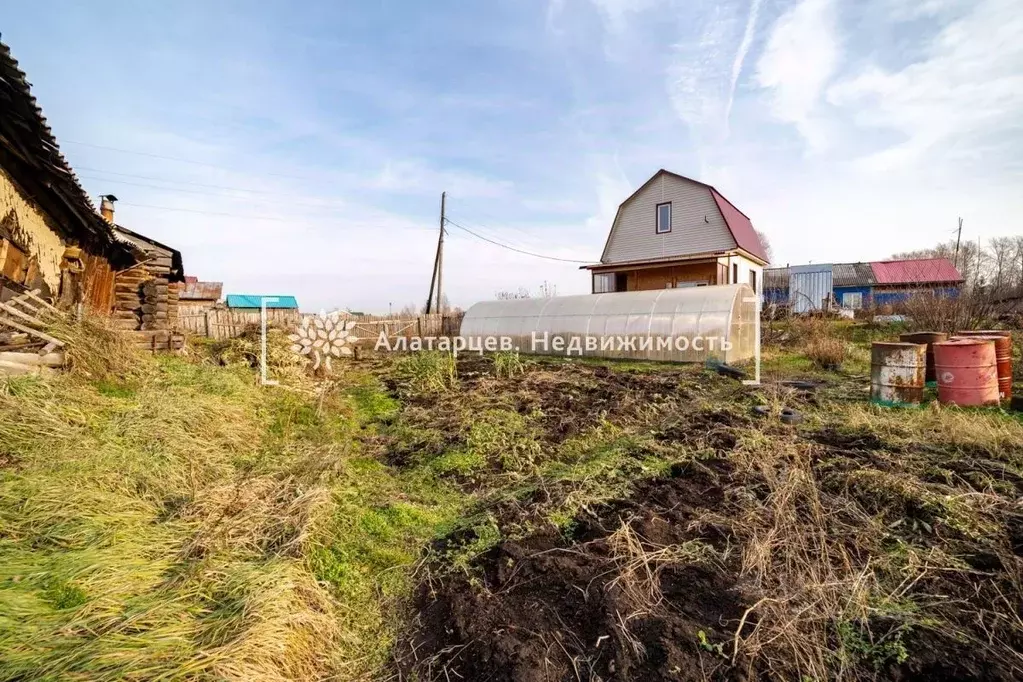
x,y
155,305
128,298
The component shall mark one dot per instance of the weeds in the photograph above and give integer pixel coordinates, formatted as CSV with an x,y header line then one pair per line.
x,y
508,364
826,352
425,373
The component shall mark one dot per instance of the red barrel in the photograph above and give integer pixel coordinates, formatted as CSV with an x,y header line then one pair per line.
x,y
1003,355
928,339
967,372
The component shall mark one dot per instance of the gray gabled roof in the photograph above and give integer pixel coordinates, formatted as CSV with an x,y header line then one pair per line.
x,y
852,275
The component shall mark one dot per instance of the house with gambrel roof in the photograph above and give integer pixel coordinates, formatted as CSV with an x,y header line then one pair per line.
x,y
678,232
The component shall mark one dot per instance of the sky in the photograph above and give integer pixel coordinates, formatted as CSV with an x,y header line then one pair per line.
x,y
301,148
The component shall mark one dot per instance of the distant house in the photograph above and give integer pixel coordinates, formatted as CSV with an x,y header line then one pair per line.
x,y
859,285
678,232
51,238
255,302
283,310
197,297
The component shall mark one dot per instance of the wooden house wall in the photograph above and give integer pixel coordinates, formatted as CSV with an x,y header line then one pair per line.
x,y
98,284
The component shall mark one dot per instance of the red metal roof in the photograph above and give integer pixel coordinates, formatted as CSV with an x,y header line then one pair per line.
x,y
919,271
740,226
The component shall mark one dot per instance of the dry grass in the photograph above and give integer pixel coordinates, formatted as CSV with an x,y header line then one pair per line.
x,y
169,518
826,352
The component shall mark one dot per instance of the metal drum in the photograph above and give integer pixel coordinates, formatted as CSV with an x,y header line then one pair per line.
x,y
1003,356
927,338
897,373
967,372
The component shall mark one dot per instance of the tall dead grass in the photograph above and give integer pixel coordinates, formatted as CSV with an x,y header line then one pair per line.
x,y
157,516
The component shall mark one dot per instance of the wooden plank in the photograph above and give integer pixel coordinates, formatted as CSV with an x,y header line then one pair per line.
x,y
45,306
48,359
20,315
28,330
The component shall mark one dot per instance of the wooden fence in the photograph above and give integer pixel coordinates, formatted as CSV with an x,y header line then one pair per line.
x,y
224,323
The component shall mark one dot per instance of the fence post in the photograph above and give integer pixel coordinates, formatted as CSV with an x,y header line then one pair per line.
x,y
206,320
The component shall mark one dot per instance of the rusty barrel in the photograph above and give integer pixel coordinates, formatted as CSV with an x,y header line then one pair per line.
x,y
928,339
967,372
1003,356
897,373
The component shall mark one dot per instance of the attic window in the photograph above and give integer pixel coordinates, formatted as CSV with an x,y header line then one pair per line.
x,y
664,218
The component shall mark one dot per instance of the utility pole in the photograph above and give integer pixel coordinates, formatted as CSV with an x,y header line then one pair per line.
x,y
959,236
437,259
440,250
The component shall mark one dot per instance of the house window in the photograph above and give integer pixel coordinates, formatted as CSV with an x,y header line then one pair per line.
x,y
753,280
852,299
604,283
664,218
735,273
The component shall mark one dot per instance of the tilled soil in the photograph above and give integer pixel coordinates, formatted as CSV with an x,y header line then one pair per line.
x,y
654,586
556,608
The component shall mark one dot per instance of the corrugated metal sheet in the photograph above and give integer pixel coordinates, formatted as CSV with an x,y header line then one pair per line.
x,y
697,225
255,301
809,287
920,271
193,289
712,314
852,274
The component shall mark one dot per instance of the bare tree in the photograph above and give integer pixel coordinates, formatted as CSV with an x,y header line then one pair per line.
x,y
765,242
522,292
548,290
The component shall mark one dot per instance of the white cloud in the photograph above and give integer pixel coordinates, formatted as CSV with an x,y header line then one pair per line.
x,y
800,58
967,87
740,54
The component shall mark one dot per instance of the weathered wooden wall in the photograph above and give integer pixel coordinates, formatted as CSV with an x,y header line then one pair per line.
x,y
226,323
98,284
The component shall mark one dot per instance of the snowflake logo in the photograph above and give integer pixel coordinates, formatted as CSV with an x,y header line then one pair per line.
x,y
322,336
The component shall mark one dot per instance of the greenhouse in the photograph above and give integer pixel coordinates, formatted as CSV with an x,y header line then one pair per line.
x,y
673,325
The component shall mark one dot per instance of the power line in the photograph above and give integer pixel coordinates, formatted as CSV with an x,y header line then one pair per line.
x,y
512,248
179,159
209,194
175,182
238,215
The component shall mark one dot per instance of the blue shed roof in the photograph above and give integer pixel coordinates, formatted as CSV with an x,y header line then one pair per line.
x,y
256,301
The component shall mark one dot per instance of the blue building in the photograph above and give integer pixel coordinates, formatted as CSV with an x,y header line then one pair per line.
x,y
853,286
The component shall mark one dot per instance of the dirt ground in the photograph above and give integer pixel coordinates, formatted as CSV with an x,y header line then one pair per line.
x,y
835,549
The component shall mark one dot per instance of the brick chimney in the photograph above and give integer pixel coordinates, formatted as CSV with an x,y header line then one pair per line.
x,y
106,207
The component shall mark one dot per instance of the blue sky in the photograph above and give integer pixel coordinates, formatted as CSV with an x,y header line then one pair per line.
x,y
301,148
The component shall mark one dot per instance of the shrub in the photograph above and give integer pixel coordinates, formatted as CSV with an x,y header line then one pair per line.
x,y
826,352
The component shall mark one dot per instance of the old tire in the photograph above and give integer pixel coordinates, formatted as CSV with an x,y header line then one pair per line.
x,y
790,416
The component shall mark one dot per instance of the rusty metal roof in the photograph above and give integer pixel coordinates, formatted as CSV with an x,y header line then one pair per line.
x,y
917,271
33,158
203,291
852,275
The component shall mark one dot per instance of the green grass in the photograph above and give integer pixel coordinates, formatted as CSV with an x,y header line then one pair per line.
x,y
180,521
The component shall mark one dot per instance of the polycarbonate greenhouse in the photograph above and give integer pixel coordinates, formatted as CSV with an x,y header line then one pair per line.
x,y
675,325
